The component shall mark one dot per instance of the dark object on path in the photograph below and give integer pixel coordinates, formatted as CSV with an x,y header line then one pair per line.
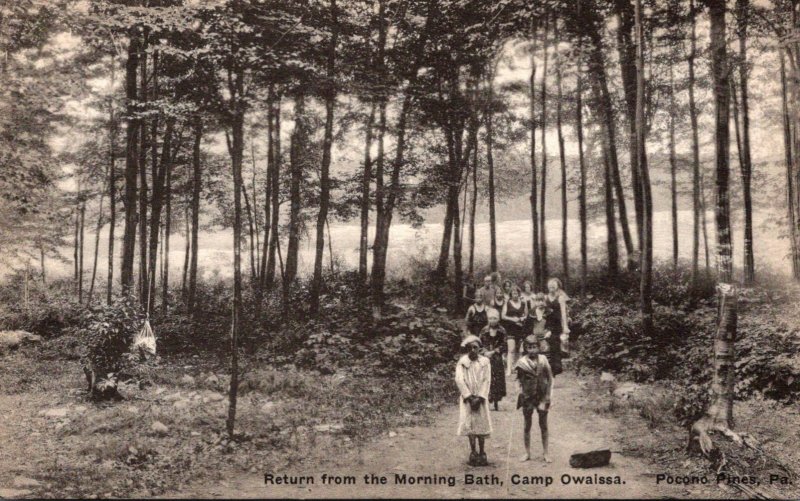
x,y
593,459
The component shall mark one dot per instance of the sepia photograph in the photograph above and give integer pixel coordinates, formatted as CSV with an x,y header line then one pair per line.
x,y
429,249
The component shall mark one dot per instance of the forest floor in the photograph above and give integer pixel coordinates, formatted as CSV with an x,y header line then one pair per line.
x,y
434,449
57,444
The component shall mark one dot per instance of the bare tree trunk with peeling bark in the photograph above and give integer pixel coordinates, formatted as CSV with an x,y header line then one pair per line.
x,y
719,415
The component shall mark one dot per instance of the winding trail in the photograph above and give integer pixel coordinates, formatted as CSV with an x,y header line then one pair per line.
x,y
436,450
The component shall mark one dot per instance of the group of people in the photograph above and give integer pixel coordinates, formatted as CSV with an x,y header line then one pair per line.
x,y
510,329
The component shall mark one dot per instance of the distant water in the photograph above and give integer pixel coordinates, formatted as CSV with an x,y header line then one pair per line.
x,y
408,245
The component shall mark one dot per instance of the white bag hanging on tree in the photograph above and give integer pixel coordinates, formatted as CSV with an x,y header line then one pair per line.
x,y
145,341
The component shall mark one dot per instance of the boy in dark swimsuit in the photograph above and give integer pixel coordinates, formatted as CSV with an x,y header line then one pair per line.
x,y
536,386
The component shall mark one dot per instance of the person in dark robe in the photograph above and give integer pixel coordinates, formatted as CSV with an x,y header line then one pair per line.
x,y
493,338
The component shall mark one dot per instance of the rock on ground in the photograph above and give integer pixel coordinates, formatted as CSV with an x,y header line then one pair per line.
x,y
13,493
159,428
625,390
10,340
56,412
25,483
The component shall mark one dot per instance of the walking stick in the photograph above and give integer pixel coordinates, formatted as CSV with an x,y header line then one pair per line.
x,y
508,455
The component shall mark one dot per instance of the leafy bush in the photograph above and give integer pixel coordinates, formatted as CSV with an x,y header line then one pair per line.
x,y
108,331
608,337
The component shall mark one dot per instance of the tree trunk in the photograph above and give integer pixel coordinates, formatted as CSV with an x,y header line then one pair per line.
x,y
112,189
237,153
167,233
459,164
131,162
791,187
625,13
257,230
703,211
612,246
646,284
473,206
605,111
742,8
792,51
447,232
542,218
365,183
324,199
267,267
382,99
197,179
144,275
251,237
719,415
673,170
80,252
563,159
385,209
582,191
275,186
489,120
696,202
41,264
159,175
186,256
384,222
451,199
76,246
298,145
97,229
538,280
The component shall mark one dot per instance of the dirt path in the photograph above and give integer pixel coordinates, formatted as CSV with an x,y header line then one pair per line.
x,y
436,450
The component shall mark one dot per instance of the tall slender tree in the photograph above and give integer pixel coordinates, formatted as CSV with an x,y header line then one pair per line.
x,y
489,125
330,102
646,285
544,271
365,194
582,216
719,415
131,159
791,184
534,196
298,146
563,160
696,181
673,169
742,16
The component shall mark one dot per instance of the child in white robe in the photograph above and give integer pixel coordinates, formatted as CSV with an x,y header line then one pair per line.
x,y
473,377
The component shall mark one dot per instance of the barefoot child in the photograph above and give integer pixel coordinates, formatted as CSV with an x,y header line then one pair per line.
x,y
473,376
493,338
536,386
